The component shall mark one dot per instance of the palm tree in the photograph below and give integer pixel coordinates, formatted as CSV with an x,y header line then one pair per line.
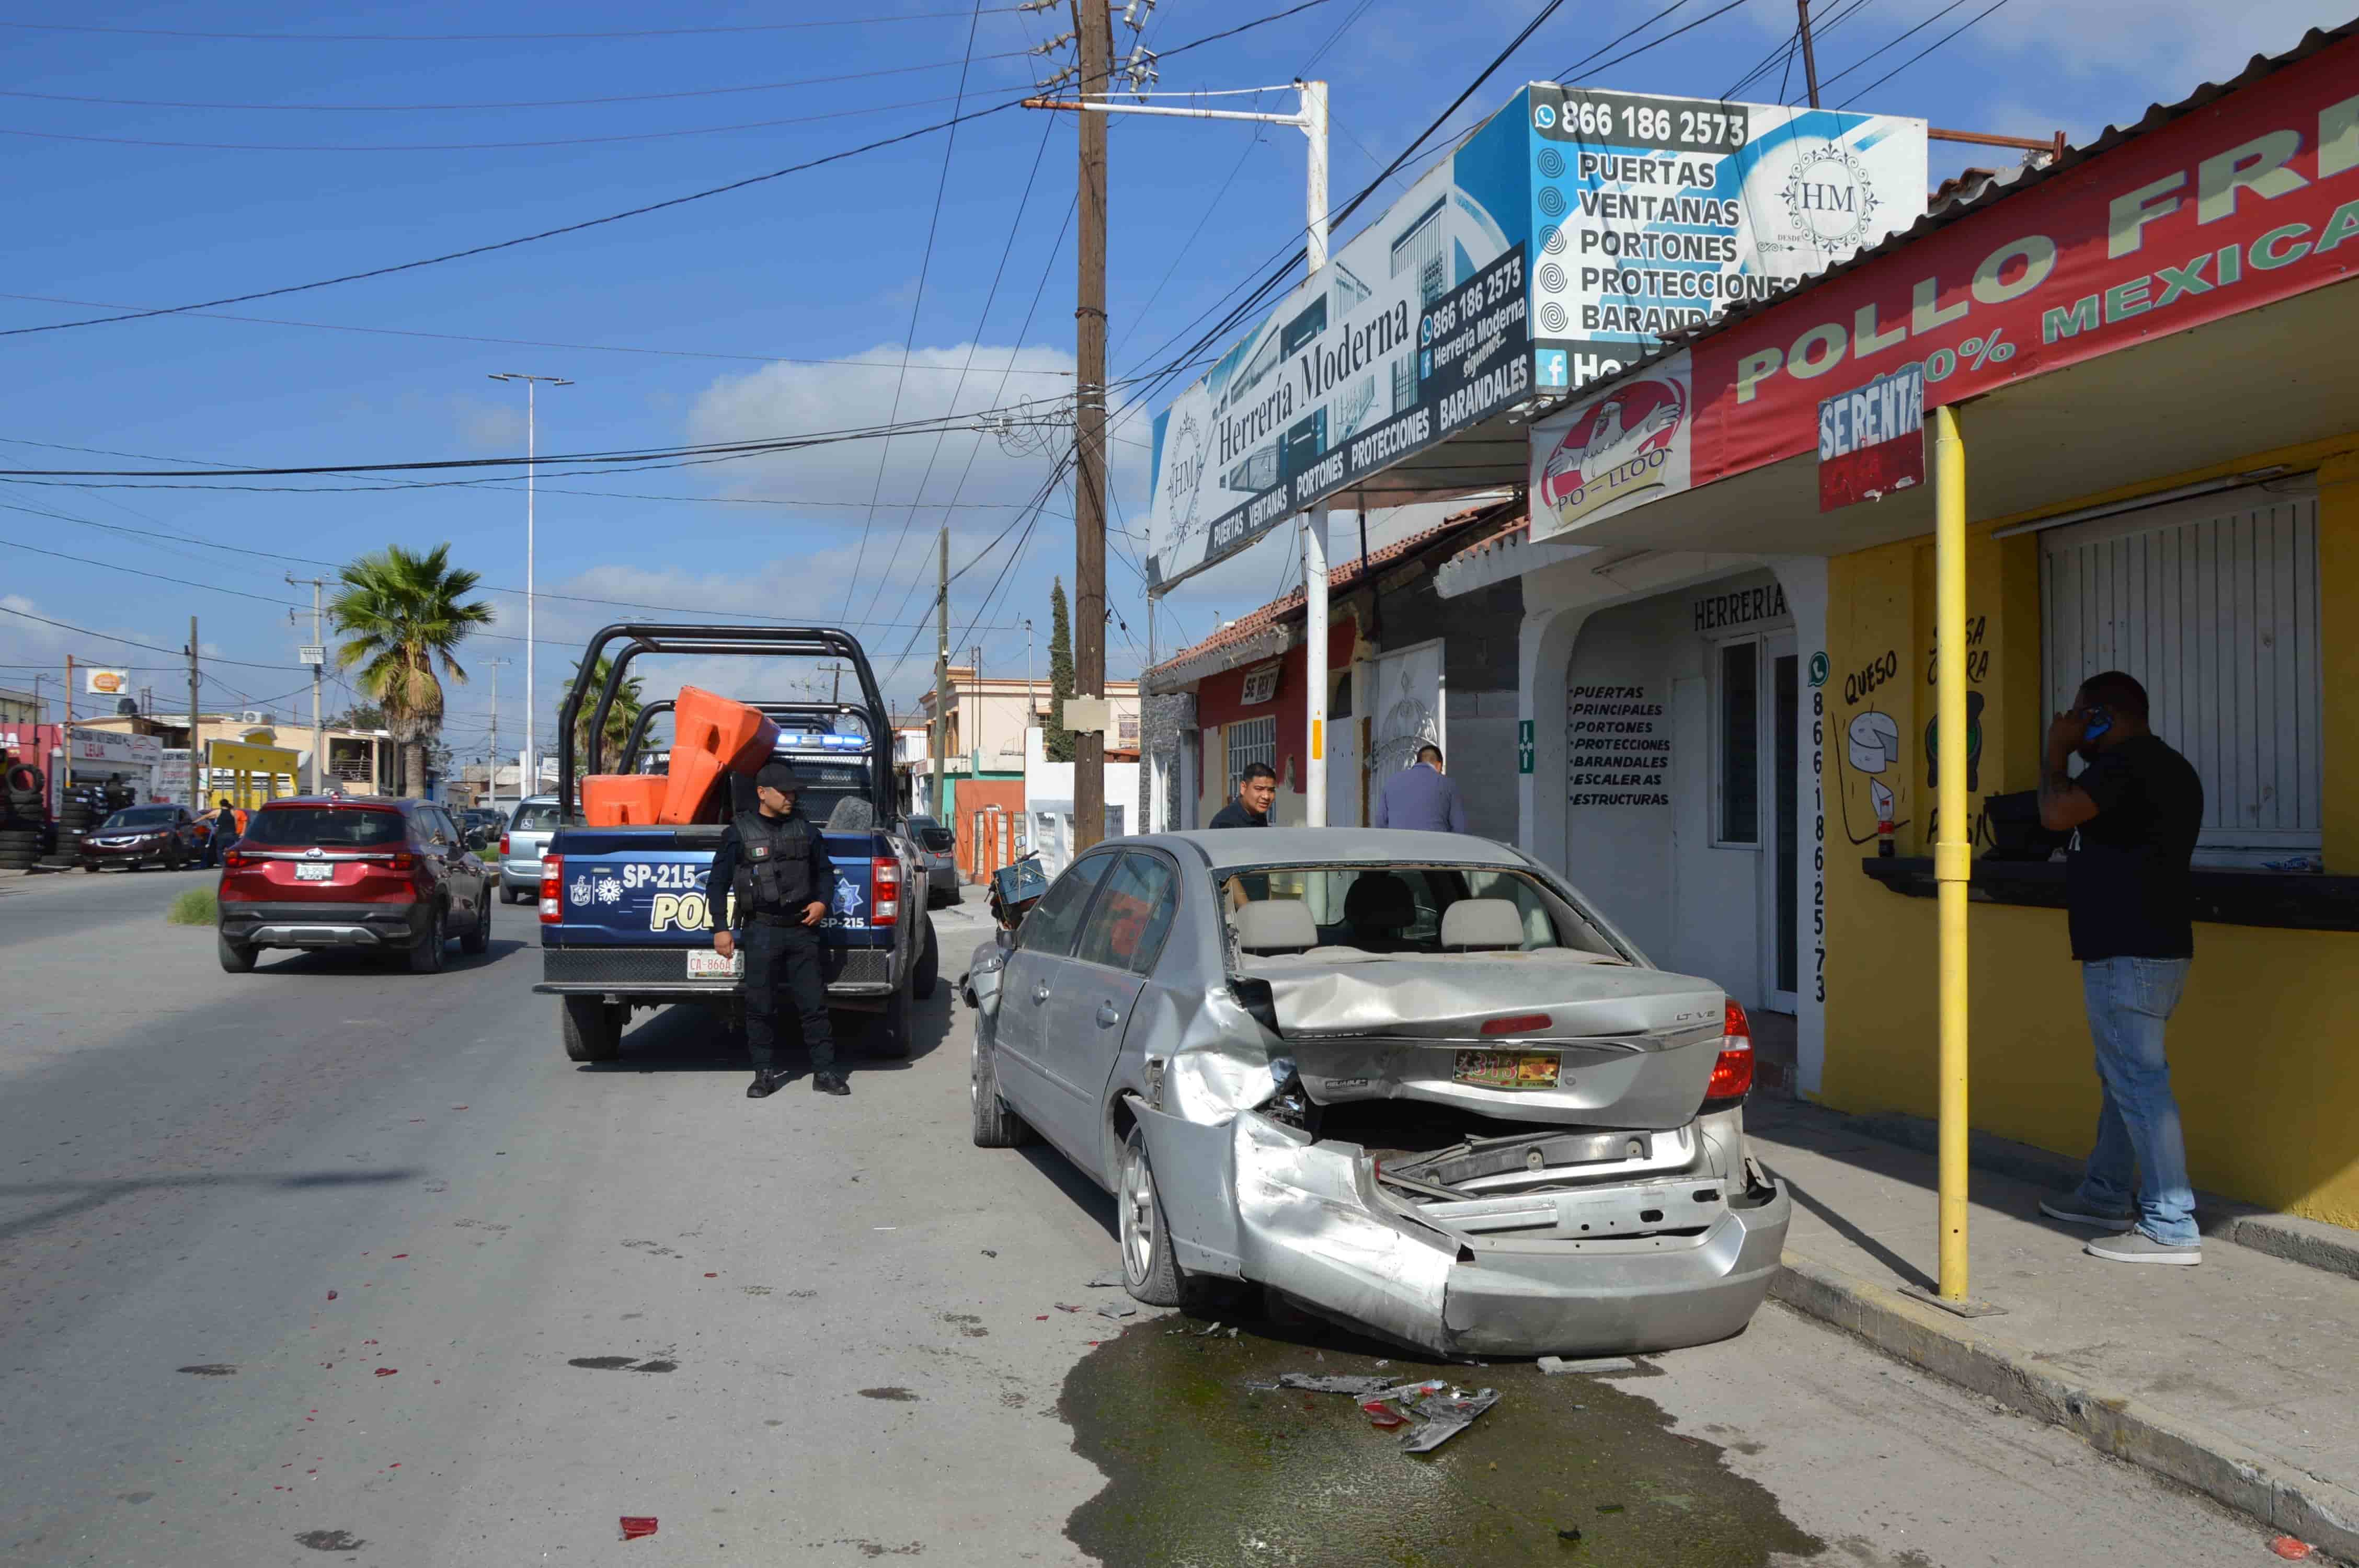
x,y
619,717
401,610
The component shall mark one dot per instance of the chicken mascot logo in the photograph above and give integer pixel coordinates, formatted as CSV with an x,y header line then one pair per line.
x,y
1617,449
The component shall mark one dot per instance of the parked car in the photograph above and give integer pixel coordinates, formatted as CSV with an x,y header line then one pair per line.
x,y
1410,1079
522,844
165,836
378,875
937,850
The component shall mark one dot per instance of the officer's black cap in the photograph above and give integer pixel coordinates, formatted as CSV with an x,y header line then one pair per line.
x,y
780,776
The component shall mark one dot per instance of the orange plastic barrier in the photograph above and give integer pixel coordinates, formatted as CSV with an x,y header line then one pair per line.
x,y
623,800
711,735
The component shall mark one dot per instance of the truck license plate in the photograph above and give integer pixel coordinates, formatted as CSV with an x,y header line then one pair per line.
x,y
305,872
703,964
1507,1069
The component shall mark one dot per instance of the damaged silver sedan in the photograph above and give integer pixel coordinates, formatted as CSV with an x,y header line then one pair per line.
x,y
1409,1080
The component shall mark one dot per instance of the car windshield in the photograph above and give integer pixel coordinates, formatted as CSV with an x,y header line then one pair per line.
x,y
828,782
143,817
328,827
1405,909
533,818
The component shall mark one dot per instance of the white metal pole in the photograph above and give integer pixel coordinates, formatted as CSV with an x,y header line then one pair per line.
x,y
319,730
530,781
1314,530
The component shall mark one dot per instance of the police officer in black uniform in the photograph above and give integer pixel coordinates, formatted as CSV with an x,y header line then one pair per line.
x,y
776,866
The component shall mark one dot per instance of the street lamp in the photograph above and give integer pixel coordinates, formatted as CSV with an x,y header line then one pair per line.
x,y
529,783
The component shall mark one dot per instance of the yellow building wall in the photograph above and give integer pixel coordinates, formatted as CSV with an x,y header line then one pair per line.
x,y
2261,1047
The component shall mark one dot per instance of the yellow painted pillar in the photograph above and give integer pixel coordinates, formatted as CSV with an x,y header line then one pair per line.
x,y
1951,869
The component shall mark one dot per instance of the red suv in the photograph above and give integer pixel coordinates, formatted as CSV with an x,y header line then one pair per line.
x,y
377,875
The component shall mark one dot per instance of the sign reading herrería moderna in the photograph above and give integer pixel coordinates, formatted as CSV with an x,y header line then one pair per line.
x,y
1556,244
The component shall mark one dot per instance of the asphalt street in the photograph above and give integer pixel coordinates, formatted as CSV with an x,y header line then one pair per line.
x,y
333,1261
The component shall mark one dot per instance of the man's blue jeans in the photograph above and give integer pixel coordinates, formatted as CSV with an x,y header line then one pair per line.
x,y
2129,1002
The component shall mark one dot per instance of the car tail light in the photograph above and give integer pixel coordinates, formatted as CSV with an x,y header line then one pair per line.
x,y
237,859
1732,1075
884,890
553,888
504,846
1522,1024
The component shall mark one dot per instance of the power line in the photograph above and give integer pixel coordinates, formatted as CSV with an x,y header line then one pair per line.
x,y
909,343
488,38
638,212
496,103
126,641
1667,37
472,146
1912,59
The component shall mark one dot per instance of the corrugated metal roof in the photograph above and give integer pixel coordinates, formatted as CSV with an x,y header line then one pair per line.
x,y
1261,633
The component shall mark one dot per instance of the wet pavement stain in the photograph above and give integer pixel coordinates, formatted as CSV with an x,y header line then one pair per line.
x,y
1204,1471
330,1540
901,1395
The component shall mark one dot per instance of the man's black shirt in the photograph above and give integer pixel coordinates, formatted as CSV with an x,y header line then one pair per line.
x,y
717,886
1235,815
2126,884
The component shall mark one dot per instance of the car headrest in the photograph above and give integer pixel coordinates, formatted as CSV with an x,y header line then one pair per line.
x,y
1379,901
1277,925
1483,923
853,815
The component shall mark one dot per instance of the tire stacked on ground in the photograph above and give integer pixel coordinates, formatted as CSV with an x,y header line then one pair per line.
x,y
20,817
75,818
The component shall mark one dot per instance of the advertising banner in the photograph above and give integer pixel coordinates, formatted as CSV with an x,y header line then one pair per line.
x,y
2251,201
1415,329
106,683
1650,213
1871,440
1617,448
99,747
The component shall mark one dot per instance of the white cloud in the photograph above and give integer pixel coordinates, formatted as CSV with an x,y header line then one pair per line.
x,y
485,425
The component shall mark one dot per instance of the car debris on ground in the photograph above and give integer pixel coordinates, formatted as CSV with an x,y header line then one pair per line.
x,y
1440,1411
1558,1366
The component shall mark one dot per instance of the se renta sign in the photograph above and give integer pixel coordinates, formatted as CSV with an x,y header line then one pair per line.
x,y
1872,439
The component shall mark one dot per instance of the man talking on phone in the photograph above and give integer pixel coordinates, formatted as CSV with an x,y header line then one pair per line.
x,y
773,864
2134,811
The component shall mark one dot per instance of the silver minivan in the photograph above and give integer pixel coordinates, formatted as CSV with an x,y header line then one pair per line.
x,y
522,846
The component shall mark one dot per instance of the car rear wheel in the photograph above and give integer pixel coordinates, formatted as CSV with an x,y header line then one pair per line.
x,y
996,1126
930,968
478,941
236,957
593,1029
426,958
1149,1271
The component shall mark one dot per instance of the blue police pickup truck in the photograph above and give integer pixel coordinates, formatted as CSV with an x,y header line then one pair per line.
x,y
626,918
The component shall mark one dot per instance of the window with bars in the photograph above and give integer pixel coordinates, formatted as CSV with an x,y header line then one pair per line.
x,y
2212,605
1251,741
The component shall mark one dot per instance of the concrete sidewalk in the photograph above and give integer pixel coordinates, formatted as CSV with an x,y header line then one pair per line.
x,y
2239,1377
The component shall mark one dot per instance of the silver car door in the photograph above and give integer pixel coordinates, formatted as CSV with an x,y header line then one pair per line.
x,y
1089,1019
1035,970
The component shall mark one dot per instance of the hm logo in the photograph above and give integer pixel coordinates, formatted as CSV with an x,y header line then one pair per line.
x,y
1826,198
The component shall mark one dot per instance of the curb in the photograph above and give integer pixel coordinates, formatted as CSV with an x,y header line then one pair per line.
x,y
2320,1512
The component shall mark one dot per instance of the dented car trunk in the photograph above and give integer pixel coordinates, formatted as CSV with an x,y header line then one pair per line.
x,y
1478,1152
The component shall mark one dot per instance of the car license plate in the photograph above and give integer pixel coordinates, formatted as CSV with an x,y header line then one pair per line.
x,y
1507,1069
305,872
706,965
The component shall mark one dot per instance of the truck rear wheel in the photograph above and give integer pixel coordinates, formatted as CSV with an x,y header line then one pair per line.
x,y
594,1028
929,964
889,1031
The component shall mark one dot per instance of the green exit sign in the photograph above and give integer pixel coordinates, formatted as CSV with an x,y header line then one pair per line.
x,y
1524,746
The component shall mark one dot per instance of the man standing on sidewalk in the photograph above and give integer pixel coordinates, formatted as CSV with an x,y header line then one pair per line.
x,y
1422,796
2134,812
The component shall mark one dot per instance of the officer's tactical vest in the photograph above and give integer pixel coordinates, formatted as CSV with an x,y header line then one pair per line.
x,y
773,874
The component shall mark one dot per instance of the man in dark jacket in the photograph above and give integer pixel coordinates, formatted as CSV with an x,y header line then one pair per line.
x,y
773,867
223,833
1256,787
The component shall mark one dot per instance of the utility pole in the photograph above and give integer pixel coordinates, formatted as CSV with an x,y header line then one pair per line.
x,y
316,655
1089,509
531,777
196,748
942,726
974,684
1809,54
496,664
1093,23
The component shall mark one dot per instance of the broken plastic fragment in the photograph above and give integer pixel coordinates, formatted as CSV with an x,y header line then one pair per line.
x,y
2290,1548
1063,1307
331,1295
1209,1328
1359,1388
713,1276
1382,1414
1557,1366
387,1371
638,1525
1569,1535
989,1253
1443,1416
1104,1280
1117,1309
401,1254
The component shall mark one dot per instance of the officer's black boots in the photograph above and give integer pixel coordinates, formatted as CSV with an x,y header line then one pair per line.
x,y
830,1084
765,1084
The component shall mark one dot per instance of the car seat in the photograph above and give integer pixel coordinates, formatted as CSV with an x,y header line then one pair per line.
x,y
1378,909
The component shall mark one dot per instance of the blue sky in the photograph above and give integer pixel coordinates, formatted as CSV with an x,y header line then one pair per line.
x,y
313,157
